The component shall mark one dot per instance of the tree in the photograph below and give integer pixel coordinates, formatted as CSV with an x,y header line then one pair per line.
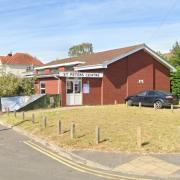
x,y
175,58
175,82
11,85
162,55
80,49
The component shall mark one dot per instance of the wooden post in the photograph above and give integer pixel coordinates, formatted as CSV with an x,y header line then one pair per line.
x,y
126,104
72,130
139,138
44,122
15,113
172,108
140,105
59,127
97,135
33,118
154,106
23,115
8,111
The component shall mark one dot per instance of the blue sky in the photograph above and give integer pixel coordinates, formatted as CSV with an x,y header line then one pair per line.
x,y
47,28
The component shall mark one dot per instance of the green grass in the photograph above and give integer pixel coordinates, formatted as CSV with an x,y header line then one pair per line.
x,y
118,125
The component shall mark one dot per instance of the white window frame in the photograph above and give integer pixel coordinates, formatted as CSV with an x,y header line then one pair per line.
x,y
42,88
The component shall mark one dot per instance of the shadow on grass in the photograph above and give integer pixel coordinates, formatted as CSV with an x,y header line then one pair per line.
x,y
66,131
19,123
104,140
145,143
81,136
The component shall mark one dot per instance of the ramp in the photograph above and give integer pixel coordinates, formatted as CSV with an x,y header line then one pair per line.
x,y
18,102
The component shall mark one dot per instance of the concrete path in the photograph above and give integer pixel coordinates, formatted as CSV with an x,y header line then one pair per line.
x,y
150,165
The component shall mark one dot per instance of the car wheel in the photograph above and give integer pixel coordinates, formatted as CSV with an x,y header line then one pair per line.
x,y
129,102
158,104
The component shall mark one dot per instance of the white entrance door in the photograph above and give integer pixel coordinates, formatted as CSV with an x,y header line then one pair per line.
x,y
74,91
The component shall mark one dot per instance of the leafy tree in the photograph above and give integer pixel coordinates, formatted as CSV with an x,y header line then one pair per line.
x,y
80,49
175,82
11,85
175,58
162,55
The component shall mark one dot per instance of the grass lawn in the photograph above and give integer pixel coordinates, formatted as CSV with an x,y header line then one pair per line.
x,y
118,125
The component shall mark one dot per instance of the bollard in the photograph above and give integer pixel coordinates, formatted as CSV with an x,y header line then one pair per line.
x,y
139,138
23,115
140,105
15,113
44,122
33,118
72,130
154,106
97,135
8,111
115,101
59,127
172,108
126,104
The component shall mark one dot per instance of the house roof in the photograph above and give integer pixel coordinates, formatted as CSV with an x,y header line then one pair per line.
x,y
96,58
20,58
103,59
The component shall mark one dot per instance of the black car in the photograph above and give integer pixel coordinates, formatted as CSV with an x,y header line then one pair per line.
x,y
150,98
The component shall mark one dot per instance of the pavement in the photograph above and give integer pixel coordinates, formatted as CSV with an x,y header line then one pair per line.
x,y
153,166
29,158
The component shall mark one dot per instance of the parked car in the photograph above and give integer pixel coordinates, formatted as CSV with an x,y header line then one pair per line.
x,y
152,97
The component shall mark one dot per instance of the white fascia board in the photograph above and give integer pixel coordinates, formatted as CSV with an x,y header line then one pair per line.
x,y
96,66
59,65
158,58
47,75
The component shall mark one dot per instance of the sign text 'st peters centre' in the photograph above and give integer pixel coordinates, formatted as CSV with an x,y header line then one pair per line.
x,y
80,74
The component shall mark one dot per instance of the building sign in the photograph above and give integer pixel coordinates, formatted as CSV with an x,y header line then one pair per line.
x,y
80,74
86,88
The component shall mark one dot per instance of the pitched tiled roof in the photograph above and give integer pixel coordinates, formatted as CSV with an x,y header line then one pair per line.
x,y
97,58
20,58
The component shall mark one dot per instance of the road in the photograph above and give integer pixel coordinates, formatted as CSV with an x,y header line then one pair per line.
x,y
21,162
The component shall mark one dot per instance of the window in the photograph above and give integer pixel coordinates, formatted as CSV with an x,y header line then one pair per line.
x,y
69,87
42,88
142,93
151,93
141,81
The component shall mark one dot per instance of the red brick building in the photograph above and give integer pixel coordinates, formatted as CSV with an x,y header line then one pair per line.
x,y
104,77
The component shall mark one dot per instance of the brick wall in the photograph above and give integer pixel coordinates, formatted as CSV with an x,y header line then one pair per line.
x,y
94,96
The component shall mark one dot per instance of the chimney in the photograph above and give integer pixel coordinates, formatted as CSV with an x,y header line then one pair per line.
x,y
10,54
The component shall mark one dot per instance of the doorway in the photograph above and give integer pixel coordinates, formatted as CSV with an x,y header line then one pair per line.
x,y
73,91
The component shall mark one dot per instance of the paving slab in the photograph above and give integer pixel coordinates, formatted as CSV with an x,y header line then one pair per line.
x,y
106,158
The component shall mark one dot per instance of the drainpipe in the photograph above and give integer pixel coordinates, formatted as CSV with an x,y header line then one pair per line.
x,y
58,83
59,89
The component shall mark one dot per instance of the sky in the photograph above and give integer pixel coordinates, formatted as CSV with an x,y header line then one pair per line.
x,y
47,28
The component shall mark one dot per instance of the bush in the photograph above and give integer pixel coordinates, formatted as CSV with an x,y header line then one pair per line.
x,y
11,85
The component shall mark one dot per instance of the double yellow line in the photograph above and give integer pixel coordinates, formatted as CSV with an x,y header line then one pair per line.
x,y
76,166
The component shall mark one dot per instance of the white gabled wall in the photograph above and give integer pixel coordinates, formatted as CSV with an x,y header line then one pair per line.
x,y
15,69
